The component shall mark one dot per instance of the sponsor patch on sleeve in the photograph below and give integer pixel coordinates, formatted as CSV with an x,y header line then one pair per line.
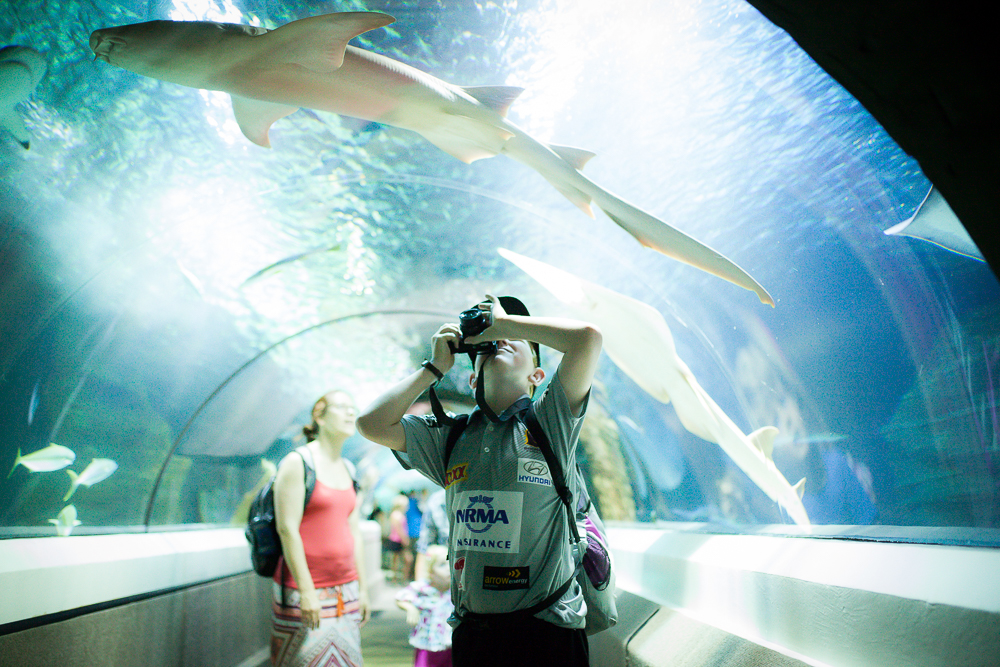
x,y
456,474
505,578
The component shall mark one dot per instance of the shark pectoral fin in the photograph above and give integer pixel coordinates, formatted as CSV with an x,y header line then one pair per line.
x,y
13,123
318,43
467,139
763,439
577,157
255,117
497,98
800,488
579,199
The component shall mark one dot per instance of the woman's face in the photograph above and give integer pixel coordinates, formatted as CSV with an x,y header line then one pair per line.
x,y
340,414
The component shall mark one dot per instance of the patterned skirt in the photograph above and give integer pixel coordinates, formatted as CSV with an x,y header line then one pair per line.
x,y
335,643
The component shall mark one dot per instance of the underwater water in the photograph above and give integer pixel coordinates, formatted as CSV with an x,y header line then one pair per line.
x,y
174,297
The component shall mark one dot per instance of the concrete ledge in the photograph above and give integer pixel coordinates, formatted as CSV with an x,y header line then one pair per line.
x,y
40,576
823,601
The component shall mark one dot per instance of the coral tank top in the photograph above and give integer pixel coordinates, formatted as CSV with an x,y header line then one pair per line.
x,y
327,538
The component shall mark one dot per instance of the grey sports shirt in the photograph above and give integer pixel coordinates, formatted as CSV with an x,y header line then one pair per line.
x,y
509,539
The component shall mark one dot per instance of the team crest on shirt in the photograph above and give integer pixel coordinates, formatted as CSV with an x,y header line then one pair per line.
x,y
456,474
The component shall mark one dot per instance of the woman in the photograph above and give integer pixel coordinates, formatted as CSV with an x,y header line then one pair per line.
x,y
318,615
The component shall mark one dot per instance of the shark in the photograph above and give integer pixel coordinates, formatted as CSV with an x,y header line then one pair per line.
x,y
934,221
21,70
308,63
638,341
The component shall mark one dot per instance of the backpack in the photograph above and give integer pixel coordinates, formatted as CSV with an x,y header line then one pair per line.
x,y
596,571
262,528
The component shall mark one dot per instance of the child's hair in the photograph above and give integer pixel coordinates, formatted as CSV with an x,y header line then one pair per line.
x,y
401,503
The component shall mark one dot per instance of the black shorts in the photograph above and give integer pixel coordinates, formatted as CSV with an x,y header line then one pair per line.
x,y
392,547
525,641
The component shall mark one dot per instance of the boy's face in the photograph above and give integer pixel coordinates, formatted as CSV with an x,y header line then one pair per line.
x,y
513,360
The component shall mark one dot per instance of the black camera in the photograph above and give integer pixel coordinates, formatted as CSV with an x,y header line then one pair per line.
x,y
473,322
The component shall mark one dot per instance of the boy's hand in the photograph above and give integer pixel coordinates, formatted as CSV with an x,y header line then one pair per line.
x,y
441,356
498,315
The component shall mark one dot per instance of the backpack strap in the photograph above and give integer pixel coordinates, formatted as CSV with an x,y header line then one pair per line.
x,y
309,472
555,469
457,427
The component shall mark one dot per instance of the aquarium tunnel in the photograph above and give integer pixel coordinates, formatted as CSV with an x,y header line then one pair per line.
x,y
787,253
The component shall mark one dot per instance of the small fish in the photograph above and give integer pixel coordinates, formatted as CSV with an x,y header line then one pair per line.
x,y
66,521
97,471
53,457
21,68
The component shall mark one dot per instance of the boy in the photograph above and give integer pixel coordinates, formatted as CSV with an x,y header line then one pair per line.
x,y
516,599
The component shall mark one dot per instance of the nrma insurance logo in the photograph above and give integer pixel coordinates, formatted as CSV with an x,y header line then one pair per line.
x,y
488,521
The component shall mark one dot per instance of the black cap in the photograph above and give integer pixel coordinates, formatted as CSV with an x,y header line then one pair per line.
x,y
513,306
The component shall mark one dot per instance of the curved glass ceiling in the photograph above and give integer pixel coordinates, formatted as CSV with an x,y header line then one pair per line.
x,y
176,297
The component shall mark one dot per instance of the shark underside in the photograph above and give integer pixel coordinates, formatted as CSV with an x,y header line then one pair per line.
x,y
309,63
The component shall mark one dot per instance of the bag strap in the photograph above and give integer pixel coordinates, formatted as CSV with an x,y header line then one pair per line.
x,y
309,480
555,469
457,427
309,472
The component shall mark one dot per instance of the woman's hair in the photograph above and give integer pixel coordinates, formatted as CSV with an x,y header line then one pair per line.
x,y
319,409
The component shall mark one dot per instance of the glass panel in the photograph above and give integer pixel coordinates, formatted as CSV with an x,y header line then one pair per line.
x,y
174,297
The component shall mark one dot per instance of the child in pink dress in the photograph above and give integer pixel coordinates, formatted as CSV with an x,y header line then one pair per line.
x,y
427,603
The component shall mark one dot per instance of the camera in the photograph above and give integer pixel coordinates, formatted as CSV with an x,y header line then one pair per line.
x,y
473,322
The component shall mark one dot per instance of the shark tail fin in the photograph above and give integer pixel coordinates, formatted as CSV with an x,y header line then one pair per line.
x,y
576,157
763,440
800,487
497,98
318,43
256,117
16,461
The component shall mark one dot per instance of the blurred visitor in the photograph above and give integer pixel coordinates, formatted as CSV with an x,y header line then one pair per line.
x,y
398,543
433,530
320,597
427,603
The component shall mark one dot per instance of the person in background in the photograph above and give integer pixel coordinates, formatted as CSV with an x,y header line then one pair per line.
x,y
427,603
320,596
398,543
434,529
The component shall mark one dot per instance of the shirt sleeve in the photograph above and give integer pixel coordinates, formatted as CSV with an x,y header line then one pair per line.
x,y
425,443
559,423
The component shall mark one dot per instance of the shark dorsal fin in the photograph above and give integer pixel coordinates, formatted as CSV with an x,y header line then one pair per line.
x,y
318,43
255,117
763,440
497,98
800,487
577,157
